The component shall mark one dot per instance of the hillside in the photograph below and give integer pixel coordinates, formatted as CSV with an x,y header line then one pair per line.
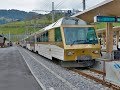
x,y
38,21
14,15
20,29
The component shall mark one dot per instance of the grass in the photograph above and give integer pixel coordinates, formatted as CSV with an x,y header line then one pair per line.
x,y
21,27
17,30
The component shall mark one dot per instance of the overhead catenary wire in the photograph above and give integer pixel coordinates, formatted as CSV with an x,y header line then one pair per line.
x,y
60,4
47,4
63,2
44,4
57,3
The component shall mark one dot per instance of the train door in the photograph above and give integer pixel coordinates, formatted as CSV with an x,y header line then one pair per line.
x,y
57,50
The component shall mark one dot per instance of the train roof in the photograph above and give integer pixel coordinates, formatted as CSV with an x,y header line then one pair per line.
x,y
66,21
62,21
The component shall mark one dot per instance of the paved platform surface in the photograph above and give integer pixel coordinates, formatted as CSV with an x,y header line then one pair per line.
x,y
14,73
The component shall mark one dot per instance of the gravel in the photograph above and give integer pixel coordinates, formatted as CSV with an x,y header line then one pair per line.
x,y
51,82
100,76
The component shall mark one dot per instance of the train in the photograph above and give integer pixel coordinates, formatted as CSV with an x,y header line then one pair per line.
x,y
69,40
2,41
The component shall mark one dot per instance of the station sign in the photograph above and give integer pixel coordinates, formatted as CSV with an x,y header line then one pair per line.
x,y
118,19
105,19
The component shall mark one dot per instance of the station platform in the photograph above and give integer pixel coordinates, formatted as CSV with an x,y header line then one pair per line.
x,y
14,73
110,66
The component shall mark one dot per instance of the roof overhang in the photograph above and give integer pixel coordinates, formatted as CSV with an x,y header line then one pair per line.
x,y
106,8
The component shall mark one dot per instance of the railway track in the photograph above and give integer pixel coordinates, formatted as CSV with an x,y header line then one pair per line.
x,y
97,76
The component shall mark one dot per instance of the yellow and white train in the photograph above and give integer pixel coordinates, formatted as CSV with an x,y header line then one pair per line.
x,y
69,40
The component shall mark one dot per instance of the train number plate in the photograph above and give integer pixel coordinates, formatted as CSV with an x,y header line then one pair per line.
x,y
84,58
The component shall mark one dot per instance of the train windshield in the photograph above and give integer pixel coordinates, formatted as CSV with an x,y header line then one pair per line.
x,y
80,35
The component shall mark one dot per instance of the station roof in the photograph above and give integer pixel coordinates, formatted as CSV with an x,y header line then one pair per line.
x,y
106,8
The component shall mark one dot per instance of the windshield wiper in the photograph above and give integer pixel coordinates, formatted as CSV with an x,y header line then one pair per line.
x,y
76,41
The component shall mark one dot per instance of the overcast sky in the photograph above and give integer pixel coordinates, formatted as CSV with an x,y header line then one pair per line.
x,y
29,5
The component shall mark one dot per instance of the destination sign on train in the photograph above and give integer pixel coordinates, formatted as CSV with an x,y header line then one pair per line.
x,y
104,19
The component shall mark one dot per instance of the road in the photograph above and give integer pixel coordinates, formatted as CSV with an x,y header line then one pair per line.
x,y
14,73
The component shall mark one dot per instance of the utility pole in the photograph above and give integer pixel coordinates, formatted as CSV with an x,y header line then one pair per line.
x,y
34,25
26,29
9,37
84,5
53,12
35,32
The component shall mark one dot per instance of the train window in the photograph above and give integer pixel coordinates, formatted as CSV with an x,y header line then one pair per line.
x,y
58,37
38,39
91,35
78,35
46,37
41,38
73,21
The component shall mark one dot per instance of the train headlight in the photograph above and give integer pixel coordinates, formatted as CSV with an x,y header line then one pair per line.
x,y
70,53
96,52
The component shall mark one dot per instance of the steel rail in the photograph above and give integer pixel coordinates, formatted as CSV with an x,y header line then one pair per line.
x,y
103,82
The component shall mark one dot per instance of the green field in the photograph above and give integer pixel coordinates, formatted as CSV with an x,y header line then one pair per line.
x,y
22,27
27,26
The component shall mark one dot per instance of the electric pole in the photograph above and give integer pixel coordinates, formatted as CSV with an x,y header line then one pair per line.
x,y
84,5
9,37
53,12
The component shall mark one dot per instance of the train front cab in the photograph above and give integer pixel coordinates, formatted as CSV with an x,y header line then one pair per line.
x,y
81,46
